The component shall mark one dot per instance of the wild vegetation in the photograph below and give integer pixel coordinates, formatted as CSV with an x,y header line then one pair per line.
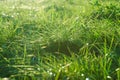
x,y
60,40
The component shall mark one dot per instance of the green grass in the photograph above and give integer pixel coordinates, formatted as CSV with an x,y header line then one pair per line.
x,y
60,40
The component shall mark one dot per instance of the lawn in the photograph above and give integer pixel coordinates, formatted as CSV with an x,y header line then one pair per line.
x,y
59,40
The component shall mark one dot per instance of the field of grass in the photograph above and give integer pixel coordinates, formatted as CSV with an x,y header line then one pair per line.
x,y
59,39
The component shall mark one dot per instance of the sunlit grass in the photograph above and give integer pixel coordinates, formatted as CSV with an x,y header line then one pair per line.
x,y
59,40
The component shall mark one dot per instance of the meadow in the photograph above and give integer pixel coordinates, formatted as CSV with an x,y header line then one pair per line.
x,y
59,39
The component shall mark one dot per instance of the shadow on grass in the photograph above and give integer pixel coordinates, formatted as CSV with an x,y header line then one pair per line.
x,y
65,47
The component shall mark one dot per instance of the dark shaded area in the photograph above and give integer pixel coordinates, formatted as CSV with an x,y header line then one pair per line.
x,y
6,71
65,47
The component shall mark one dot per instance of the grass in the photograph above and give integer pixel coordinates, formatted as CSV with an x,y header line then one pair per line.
x,y
60,40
